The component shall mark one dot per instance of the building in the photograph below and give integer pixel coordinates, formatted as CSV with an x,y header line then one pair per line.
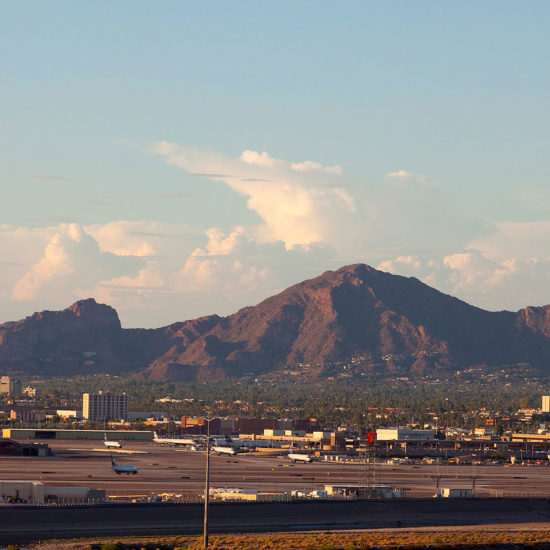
x,y
36,492
30,392
87,435
9,447
101,406
546,403
10,386
26,415
399,434
66,414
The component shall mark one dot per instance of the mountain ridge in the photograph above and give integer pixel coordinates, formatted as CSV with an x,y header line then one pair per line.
x,y
350,312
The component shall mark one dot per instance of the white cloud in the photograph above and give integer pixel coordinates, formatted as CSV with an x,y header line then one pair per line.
x,y
517,239
299,203
72,257
258,159
504,283
312,218
312,166
402,177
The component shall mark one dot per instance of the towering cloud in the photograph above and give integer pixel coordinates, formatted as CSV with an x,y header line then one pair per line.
x,y
72,259
299,203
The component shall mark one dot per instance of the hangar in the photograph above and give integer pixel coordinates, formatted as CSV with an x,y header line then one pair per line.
x,y
9,447
116,435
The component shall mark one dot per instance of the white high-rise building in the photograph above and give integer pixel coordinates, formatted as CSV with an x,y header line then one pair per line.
x,y
546,403
97,407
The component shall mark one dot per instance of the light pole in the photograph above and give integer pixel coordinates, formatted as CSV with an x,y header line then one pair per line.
x,y
207,483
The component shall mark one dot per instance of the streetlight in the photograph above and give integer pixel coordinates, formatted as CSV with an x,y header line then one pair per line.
x,y
207,483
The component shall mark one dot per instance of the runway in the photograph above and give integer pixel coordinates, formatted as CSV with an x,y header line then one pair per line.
x,y
167,469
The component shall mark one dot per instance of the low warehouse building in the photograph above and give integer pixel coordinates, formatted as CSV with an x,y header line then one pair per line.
x,y
35,492
401,434
9,447
363,491
456,493
116,435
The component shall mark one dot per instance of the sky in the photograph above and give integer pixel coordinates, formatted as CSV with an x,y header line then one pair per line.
x,y
177,159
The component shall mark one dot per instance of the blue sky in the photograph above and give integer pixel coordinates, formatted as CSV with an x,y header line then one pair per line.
x,y
114,116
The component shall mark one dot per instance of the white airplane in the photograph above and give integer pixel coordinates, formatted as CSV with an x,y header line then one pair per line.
x,y
111,444
172,441
123,468
223,450
299,457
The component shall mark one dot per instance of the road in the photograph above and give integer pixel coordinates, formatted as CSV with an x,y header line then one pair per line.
x,y
21,524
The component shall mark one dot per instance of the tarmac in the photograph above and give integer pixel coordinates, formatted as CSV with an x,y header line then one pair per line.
x,y
175,470
179,471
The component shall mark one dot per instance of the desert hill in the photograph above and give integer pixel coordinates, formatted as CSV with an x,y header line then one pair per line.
x,y
355,311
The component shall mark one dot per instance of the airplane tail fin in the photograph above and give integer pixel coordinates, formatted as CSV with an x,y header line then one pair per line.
x,y
155,435
113,461
104,436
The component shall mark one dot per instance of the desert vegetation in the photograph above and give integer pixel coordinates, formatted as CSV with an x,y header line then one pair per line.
x,y
325,540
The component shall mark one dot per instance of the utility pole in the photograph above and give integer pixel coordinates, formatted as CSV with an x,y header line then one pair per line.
x,y
207,484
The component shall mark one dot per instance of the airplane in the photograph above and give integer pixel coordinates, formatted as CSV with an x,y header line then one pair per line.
x,y
223,450
123,468
240,445
299,457
111,444
172,441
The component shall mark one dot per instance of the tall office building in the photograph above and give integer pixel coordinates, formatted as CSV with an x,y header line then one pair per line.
x,y
104,406
546,403
10,386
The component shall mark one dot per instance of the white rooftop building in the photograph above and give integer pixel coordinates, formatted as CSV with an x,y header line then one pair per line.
x,y
402,434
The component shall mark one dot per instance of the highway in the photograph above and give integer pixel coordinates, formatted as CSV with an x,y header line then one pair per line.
x,y
20,524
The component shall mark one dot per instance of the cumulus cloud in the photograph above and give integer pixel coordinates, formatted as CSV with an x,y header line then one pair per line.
x,y
71,258
516,239
492,283
312,218
237,264
403,177
300,204
312,166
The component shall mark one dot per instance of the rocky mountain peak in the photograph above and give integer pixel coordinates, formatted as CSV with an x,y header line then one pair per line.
x,y
356,311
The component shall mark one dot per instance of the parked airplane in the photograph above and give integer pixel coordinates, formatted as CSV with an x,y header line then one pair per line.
x,y
299,457
172,441
111,444
240,445
223,450
123,468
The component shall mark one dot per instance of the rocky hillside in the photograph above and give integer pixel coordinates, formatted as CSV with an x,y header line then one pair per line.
x,y
355,311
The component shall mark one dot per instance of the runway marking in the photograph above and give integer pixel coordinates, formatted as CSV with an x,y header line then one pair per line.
x,y
118,451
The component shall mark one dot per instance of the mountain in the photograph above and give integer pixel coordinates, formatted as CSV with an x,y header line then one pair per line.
x,y
355,312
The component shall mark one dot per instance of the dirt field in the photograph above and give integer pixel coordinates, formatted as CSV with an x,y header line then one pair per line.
x,y
503,536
